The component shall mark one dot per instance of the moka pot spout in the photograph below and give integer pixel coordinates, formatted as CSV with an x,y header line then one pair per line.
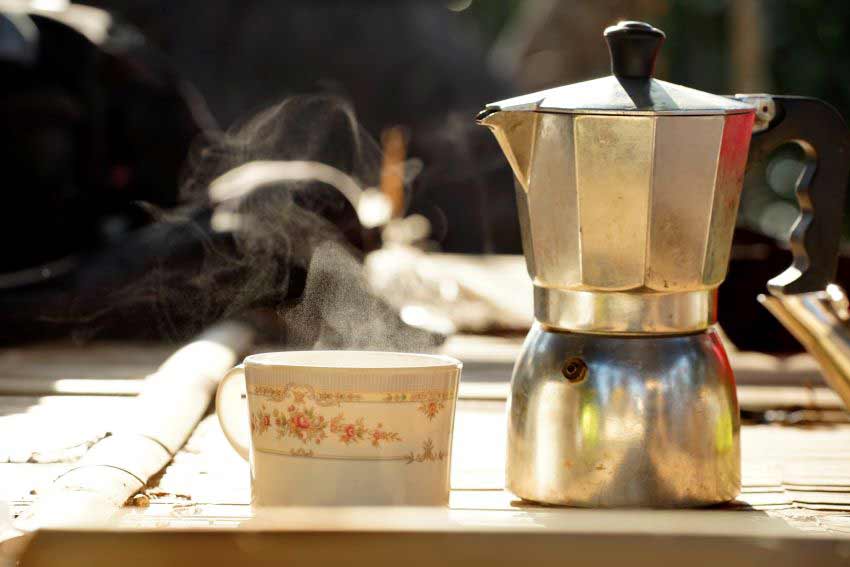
x,y
515,133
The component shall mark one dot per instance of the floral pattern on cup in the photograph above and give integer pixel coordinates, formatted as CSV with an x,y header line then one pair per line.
x,y
428,454
324,422
300,393
431,408
309,426
356,431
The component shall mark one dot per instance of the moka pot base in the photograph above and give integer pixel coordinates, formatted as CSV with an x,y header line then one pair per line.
x,y
623,421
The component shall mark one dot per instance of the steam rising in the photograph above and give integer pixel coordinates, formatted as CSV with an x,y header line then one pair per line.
x,y
338,310
299,185
272,230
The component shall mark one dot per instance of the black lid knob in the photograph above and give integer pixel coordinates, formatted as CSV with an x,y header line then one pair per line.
x,y
633,47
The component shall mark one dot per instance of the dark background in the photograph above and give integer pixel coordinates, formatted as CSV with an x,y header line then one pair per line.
x,y
183,93
429,65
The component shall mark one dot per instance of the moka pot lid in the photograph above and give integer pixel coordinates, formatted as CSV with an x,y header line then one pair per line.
x,y
631,89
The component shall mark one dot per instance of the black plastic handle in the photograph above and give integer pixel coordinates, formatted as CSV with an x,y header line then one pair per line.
x,y
818,128
633,47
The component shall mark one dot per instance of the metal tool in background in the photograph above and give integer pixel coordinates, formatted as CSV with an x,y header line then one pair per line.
x,y
804,298
628,190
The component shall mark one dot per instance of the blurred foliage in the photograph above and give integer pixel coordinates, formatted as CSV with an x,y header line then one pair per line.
x,y
806,42
809,44
696,51
808,47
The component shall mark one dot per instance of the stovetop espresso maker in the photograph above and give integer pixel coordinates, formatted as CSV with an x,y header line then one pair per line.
x,y
627,191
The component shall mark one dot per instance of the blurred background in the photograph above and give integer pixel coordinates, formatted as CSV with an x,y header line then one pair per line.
x,y
120,115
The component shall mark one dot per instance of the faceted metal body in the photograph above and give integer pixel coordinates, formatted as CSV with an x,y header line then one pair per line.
x,y
653,422
641,207
627,223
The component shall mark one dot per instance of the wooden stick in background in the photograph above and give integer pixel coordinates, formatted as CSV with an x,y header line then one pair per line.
x,y
170,405
392,168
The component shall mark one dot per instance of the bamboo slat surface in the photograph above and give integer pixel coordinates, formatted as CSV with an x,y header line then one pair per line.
x,y
798,475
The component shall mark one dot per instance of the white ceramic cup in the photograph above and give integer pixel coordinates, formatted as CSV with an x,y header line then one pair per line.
x,y
343,427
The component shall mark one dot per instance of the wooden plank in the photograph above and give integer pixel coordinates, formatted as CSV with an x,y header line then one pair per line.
x,y
208,474
47,386
101,359
761,398
389,536
143,440
55,428
21,482
65,368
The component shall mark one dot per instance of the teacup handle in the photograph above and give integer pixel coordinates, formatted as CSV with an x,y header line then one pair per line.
x,y
230,412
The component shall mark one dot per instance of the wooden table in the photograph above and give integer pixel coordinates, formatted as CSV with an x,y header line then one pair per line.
x,y
795,505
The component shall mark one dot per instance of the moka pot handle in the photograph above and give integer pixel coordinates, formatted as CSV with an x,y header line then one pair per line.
x,y
820,131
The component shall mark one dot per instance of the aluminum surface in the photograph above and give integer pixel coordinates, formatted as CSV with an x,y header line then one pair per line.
x,y
653,422
625,313
613,95
641,204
